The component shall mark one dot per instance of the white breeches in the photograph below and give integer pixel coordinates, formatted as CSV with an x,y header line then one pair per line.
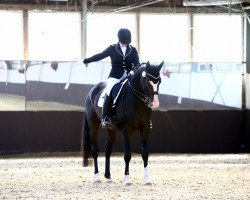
x,y
110,83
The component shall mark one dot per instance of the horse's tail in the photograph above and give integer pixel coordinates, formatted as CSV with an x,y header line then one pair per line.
x,y
86,143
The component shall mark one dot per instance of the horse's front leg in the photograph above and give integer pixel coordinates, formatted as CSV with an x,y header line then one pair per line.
x,y
144,145
108,151
127,155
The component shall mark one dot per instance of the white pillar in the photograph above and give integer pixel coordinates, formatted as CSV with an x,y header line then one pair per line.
x,y
246,84
84,29
137,32
25,35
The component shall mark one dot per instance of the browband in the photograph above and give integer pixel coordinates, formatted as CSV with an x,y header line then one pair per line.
x,y
153,76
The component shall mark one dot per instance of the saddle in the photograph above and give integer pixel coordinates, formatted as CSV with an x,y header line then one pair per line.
x,y
115,93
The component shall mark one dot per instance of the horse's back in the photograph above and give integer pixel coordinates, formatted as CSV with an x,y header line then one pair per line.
x,y
93,96
96,91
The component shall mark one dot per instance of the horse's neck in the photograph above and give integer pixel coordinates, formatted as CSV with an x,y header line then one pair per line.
x,y
135,83
135,91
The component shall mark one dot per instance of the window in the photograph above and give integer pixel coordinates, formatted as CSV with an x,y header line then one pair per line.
x,y
102,30
54,36
217,38
11,35
164,37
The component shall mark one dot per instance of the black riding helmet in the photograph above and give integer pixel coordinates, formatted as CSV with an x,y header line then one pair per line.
x,y
124,36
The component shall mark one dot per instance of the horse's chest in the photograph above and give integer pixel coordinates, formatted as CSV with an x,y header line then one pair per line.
x,y
134,114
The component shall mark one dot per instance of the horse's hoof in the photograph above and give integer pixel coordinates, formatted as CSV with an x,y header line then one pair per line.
x,y
146,177
97,181
128,183
97,178
109,180
147,183
127,180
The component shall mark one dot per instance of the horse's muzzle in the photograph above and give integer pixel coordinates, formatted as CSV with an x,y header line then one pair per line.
x,y
155,103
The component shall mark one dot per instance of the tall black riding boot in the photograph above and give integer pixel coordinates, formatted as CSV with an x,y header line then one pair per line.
x,y
105,121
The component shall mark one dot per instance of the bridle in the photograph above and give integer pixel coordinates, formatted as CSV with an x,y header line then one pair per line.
x,y
145,95
158,83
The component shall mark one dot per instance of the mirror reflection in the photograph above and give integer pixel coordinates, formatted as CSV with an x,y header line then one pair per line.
x,y
12,85
60,85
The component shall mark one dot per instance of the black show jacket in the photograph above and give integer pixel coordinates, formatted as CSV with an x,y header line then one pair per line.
x,y
119,62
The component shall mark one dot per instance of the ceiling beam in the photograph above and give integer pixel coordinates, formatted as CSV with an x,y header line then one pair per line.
x,y
111,9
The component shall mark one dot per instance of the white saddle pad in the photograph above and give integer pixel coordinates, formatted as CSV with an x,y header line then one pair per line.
x,y
101,99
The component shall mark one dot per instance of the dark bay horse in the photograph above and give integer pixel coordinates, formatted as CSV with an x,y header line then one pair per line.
x,y
133,110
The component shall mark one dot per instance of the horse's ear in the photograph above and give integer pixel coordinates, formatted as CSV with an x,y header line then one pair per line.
x,y
160,65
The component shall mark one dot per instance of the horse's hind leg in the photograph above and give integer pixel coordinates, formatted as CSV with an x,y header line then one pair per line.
x,y
127,155
95,149
108,151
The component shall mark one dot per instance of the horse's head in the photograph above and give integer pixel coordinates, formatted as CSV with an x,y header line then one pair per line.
x,y
149,81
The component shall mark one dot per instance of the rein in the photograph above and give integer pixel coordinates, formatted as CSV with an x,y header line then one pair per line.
x,y
141,96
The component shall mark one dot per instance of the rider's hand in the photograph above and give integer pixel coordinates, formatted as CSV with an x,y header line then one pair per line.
x,y
85,62
131,73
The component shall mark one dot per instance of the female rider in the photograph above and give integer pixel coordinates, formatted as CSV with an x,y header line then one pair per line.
x,y
124,58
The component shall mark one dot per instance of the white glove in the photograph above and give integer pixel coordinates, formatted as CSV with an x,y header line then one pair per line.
x,y
131,73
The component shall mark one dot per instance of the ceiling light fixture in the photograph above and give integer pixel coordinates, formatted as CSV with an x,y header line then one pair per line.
x,y
210,2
